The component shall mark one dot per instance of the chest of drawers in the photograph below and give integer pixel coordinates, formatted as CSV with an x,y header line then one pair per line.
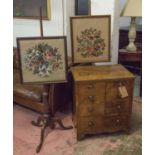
x,y
98,106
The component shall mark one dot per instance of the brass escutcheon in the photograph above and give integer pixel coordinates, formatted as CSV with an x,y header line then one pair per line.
x,y
91,86
91,98
90,123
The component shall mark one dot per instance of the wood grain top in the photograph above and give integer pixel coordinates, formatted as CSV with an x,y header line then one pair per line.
x,y
106,72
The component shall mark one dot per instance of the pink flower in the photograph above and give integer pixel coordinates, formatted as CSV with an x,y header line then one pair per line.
x,y
48,56
90,49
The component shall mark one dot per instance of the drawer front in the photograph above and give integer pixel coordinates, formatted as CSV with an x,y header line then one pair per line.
x,y
115,123
90,124
90,109
118,107
112,90
91,92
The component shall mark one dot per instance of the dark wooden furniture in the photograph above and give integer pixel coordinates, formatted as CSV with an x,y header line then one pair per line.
x,y
98,106
133,62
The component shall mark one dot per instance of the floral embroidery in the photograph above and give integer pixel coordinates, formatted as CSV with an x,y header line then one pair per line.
x,y
42,59
90,43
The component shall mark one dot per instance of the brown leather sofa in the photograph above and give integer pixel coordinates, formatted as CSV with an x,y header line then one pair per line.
x,y
33,96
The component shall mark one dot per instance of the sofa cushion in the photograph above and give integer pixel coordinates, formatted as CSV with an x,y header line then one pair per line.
x,y
30,91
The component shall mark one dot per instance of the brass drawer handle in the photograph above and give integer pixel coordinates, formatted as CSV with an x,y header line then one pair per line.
x,y
91,86
91,98
119,107
118,121
90,123
90,109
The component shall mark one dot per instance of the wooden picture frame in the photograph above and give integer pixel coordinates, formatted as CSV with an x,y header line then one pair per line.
x,y
43,60
90,38
29,9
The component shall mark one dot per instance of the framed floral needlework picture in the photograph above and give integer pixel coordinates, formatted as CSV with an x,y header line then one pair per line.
x,y
90,36
43,60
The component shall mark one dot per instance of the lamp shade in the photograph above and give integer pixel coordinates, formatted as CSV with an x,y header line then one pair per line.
x,y
133,8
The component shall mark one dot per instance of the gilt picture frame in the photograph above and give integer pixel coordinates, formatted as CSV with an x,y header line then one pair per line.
x,y
29,9
43,60
90,38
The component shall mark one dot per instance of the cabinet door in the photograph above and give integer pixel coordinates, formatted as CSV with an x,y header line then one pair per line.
x,y
114,103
